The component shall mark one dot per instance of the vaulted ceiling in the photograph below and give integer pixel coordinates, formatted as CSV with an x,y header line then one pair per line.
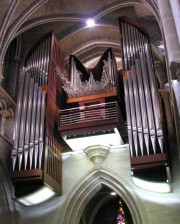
x,y
67,19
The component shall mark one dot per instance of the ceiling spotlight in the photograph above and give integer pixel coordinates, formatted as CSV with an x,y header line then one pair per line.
x,y
113,193
90,22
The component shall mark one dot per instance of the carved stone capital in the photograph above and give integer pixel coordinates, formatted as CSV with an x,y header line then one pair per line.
x,y
97,154
175,70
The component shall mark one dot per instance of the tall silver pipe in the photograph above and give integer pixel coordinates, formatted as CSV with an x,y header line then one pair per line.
x,y
37,127
38,64
109,66
142,103
136,99
41,132
130,44
124,49
28,122
131,99
74,73
43,62
137,108
155,98
127,46
147,96
17,120
154,91
72,69
128,114
148,103
48,58
33,120
133,111
23,120
29,113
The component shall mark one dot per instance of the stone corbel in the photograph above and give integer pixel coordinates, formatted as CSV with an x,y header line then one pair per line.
x,y
97,154
175,70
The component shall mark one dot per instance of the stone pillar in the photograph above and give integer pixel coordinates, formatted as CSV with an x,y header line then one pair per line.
x,y
175,6
175,81
164,94
173,55
169,29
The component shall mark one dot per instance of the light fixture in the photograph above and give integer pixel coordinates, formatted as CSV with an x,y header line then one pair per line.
x,y
113,193
42,194
160,187
90,22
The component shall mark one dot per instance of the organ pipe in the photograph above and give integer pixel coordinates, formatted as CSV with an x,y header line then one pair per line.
x,y
84,81
35,132
143,106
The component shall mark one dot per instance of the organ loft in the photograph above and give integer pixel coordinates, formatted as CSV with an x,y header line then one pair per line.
x,y
70,108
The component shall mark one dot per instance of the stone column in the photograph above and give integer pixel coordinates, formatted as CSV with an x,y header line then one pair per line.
x,y
173,55
169,29
164,94
175,6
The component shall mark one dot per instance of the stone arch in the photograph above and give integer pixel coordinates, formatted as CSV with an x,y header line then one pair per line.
x,y
89,185
15,30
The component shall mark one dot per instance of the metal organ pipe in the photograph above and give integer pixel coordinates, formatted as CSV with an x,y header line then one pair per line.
x,y
35,147
37,127
129,126
23,120
28,122
17,121
144,115
41,131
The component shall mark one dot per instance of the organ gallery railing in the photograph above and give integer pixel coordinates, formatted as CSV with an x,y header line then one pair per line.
x,y
143,106
36,153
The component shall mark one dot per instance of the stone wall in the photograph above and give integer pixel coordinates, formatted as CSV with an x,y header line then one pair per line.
x,y
80,173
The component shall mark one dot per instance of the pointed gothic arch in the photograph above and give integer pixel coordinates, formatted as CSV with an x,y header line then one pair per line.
x,y
89,185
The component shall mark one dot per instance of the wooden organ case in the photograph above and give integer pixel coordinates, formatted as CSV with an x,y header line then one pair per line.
x,y
93,106
146,130
36,153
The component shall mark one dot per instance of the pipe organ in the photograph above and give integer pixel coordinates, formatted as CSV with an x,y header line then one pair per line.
x,y
36,153
54,105
93,103
146,131
86,82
